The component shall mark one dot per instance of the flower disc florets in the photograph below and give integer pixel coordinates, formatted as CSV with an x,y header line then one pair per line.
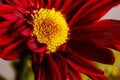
x,y
50,27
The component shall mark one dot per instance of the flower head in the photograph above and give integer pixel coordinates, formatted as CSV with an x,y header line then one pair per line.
x,y
64,36
50,27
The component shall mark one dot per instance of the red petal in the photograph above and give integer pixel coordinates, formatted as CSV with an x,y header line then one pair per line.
x,y
92,11
116,47
105,32
37,4
81,64
15,54
26,4
19,22
6,9
5,26
49,69
42,70
12,51
100,77
35,46
26,32
61,62
9,16
9,12
22,6
4,40
72,7
47,3
38,58
91,51
74,75
12,28
57,4
56,73
66,4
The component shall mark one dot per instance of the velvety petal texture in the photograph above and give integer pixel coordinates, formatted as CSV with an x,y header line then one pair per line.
x,y
12,51
88,11
74,75
91,51
104,32
89,39
80,63
53,67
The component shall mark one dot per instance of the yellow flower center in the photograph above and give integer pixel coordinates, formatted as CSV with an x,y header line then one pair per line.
x,y
50,27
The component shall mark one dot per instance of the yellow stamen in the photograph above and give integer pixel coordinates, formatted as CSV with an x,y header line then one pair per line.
x,y
50,27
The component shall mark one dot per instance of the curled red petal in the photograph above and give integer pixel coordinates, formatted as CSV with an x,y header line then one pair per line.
x,y
27,32
35,46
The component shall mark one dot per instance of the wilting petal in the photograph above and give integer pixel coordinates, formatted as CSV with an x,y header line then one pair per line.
x,y
105,32
12,51
81,64
92,11
91,51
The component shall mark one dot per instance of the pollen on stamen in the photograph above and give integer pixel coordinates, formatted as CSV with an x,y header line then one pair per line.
x,y
50,27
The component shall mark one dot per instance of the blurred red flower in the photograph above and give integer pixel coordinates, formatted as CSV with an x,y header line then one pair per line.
x,y
28,25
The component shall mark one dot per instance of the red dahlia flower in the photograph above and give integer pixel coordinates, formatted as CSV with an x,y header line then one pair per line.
x,y
64,36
